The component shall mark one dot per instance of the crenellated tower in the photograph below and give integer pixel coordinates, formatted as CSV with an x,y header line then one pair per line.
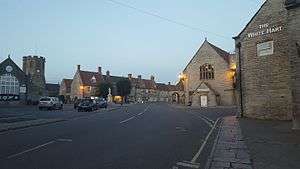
x,y
34,68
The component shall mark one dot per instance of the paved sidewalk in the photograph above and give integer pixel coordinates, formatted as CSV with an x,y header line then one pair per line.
x,y
272,144
230,151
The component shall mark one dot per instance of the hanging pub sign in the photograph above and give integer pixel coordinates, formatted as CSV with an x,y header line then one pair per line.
x,y
9,97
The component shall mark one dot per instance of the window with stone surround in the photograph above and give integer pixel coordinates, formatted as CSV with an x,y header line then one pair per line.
x,y
207,72
9,84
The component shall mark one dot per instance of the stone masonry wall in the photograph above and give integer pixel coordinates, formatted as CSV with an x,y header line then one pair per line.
x,y
207,54
266,79
294,54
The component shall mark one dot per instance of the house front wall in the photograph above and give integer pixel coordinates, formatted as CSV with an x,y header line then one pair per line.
x,y
222,82
265,77
76,92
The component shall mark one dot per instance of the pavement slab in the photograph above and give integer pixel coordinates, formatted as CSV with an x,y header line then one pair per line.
x,y
230,150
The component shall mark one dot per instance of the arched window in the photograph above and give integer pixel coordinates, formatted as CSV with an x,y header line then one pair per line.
x,y
9,84
207,72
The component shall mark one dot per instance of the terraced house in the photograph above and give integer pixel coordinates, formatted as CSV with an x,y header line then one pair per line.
x,y
85,84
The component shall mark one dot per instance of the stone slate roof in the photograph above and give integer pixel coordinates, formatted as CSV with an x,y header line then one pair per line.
x,y
52,88
67,83
167,87
86,77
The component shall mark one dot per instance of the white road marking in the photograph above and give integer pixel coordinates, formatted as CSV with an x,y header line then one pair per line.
x,y
141,113
31,149
64,140
188,164
206,120
204,143
124,121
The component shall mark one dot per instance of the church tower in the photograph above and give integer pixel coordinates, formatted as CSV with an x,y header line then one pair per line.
x,y
34,68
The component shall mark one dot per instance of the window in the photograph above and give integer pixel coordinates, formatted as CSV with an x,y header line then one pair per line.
x,y
207,72
9,85
265,48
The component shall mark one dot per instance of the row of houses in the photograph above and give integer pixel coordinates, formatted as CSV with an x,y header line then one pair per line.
x,y
86,83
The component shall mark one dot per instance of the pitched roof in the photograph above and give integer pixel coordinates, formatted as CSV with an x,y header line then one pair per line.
x,y
251,20
167,87
52,87
221,52
67,82
87,76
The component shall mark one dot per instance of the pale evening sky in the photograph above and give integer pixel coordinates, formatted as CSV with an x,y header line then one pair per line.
x,y
123,40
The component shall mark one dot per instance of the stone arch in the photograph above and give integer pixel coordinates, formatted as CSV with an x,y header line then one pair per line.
x,y
175,97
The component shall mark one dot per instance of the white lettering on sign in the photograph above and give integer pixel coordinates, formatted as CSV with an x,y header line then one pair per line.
x,y
266,30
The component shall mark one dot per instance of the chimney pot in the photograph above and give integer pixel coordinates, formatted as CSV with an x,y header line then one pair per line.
x,y
139,77
107,73
129,76
169,83
100,70
78,67
152,78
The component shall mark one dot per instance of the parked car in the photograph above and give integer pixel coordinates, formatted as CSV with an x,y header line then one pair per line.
x,y
50,103
76,103
101,103
87,105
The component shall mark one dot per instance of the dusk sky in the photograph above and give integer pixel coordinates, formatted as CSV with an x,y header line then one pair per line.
x,y
123,40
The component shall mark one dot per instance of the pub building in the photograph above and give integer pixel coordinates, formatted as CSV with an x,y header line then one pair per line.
x,y
266,73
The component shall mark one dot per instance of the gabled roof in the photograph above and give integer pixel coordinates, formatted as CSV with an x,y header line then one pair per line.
x,y
220,52
86,78
251,20
10,61
67,82
52,87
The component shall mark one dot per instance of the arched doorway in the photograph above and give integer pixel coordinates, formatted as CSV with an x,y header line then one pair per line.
x,y
175,97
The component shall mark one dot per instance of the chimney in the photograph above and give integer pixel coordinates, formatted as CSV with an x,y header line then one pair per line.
x,y
140,77
78,67
107,73
130,76
169,83
152,78
100,70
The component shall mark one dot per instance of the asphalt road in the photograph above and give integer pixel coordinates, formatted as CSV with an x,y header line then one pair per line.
x,y
142,136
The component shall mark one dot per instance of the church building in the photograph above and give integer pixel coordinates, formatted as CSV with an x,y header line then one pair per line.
x,y
25,85
209,77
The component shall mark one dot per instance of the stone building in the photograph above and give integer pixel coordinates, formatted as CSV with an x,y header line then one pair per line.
x,y
84,84
266,47
52,89
65,89
21,86
209,77
293,27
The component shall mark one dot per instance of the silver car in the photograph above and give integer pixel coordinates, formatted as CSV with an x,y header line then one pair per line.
x,y
50,103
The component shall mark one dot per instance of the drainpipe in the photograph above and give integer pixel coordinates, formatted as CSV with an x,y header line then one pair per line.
x,y
241,113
